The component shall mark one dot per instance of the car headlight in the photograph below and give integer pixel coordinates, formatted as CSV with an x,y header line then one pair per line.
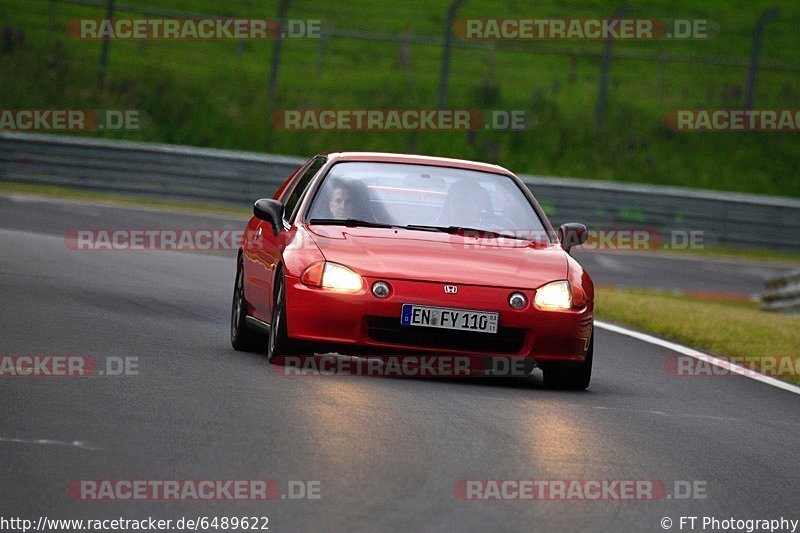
x,y
340,278
332,276
555,295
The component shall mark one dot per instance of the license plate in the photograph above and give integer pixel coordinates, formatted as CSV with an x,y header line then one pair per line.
x,y
446,318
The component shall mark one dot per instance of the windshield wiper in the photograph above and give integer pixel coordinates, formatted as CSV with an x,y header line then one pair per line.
x,y
421,227
476,232
348,222
469,231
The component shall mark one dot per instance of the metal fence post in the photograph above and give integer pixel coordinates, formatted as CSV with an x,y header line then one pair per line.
x,y
276,52
101,71
321,51
600,110
660,77
490,60
573,69
404,57
51,17
754,54
448,44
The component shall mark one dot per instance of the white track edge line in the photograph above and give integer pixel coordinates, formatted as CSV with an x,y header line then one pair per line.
x,y
716,361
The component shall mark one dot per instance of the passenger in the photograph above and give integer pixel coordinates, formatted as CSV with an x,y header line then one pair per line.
x,y
467,204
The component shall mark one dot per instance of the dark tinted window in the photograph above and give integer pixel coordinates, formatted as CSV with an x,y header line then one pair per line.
x,y
302,184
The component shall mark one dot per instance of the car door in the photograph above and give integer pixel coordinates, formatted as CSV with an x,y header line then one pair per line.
x,y
269,247
257,274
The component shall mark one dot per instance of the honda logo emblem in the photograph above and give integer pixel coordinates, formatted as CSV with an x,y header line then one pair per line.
x,y
450,289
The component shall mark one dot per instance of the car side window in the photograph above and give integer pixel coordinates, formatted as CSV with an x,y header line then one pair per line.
x,y
293,200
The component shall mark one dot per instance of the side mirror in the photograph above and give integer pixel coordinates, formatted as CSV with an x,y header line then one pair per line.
x,y
572,234
270,211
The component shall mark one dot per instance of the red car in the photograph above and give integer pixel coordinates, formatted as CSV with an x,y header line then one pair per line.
x,y
373,251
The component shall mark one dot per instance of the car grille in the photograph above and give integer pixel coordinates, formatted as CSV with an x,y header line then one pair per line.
x,y
389,330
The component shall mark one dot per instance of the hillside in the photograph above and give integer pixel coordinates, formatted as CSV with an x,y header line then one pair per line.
x,y
215,93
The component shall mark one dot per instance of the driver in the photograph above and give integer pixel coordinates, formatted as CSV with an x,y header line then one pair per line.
x,y
350,200
341,204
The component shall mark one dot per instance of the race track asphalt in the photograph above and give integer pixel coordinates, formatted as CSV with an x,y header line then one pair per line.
x,y
387,452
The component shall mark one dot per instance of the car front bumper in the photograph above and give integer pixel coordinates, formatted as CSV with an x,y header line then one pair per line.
x,y
364,321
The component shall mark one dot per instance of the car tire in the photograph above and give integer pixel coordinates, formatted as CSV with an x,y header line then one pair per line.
x,y
278,343
570,376
243,338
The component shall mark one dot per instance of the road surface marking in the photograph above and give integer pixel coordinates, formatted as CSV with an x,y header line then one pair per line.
x,y
716,361
75,443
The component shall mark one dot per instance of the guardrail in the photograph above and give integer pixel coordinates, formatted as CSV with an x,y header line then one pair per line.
x,y
224,176
782,293
146,169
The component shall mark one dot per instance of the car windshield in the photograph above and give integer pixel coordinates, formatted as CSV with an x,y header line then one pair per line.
x,y
426,198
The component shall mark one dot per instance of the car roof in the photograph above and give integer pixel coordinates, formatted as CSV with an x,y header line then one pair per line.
x,y
388,157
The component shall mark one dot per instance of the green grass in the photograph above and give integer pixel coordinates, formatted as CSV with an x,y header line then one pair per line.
x,y
721,326
775,256
215,93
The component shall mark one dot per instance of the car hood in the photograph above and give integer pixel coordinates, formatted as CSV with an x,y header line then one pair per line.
x,y
441,257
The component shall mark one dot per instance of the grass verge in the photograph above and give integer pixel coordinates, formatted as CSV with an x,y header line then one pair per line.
x,y
724,327
215,93
54,191
775,256
783,258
